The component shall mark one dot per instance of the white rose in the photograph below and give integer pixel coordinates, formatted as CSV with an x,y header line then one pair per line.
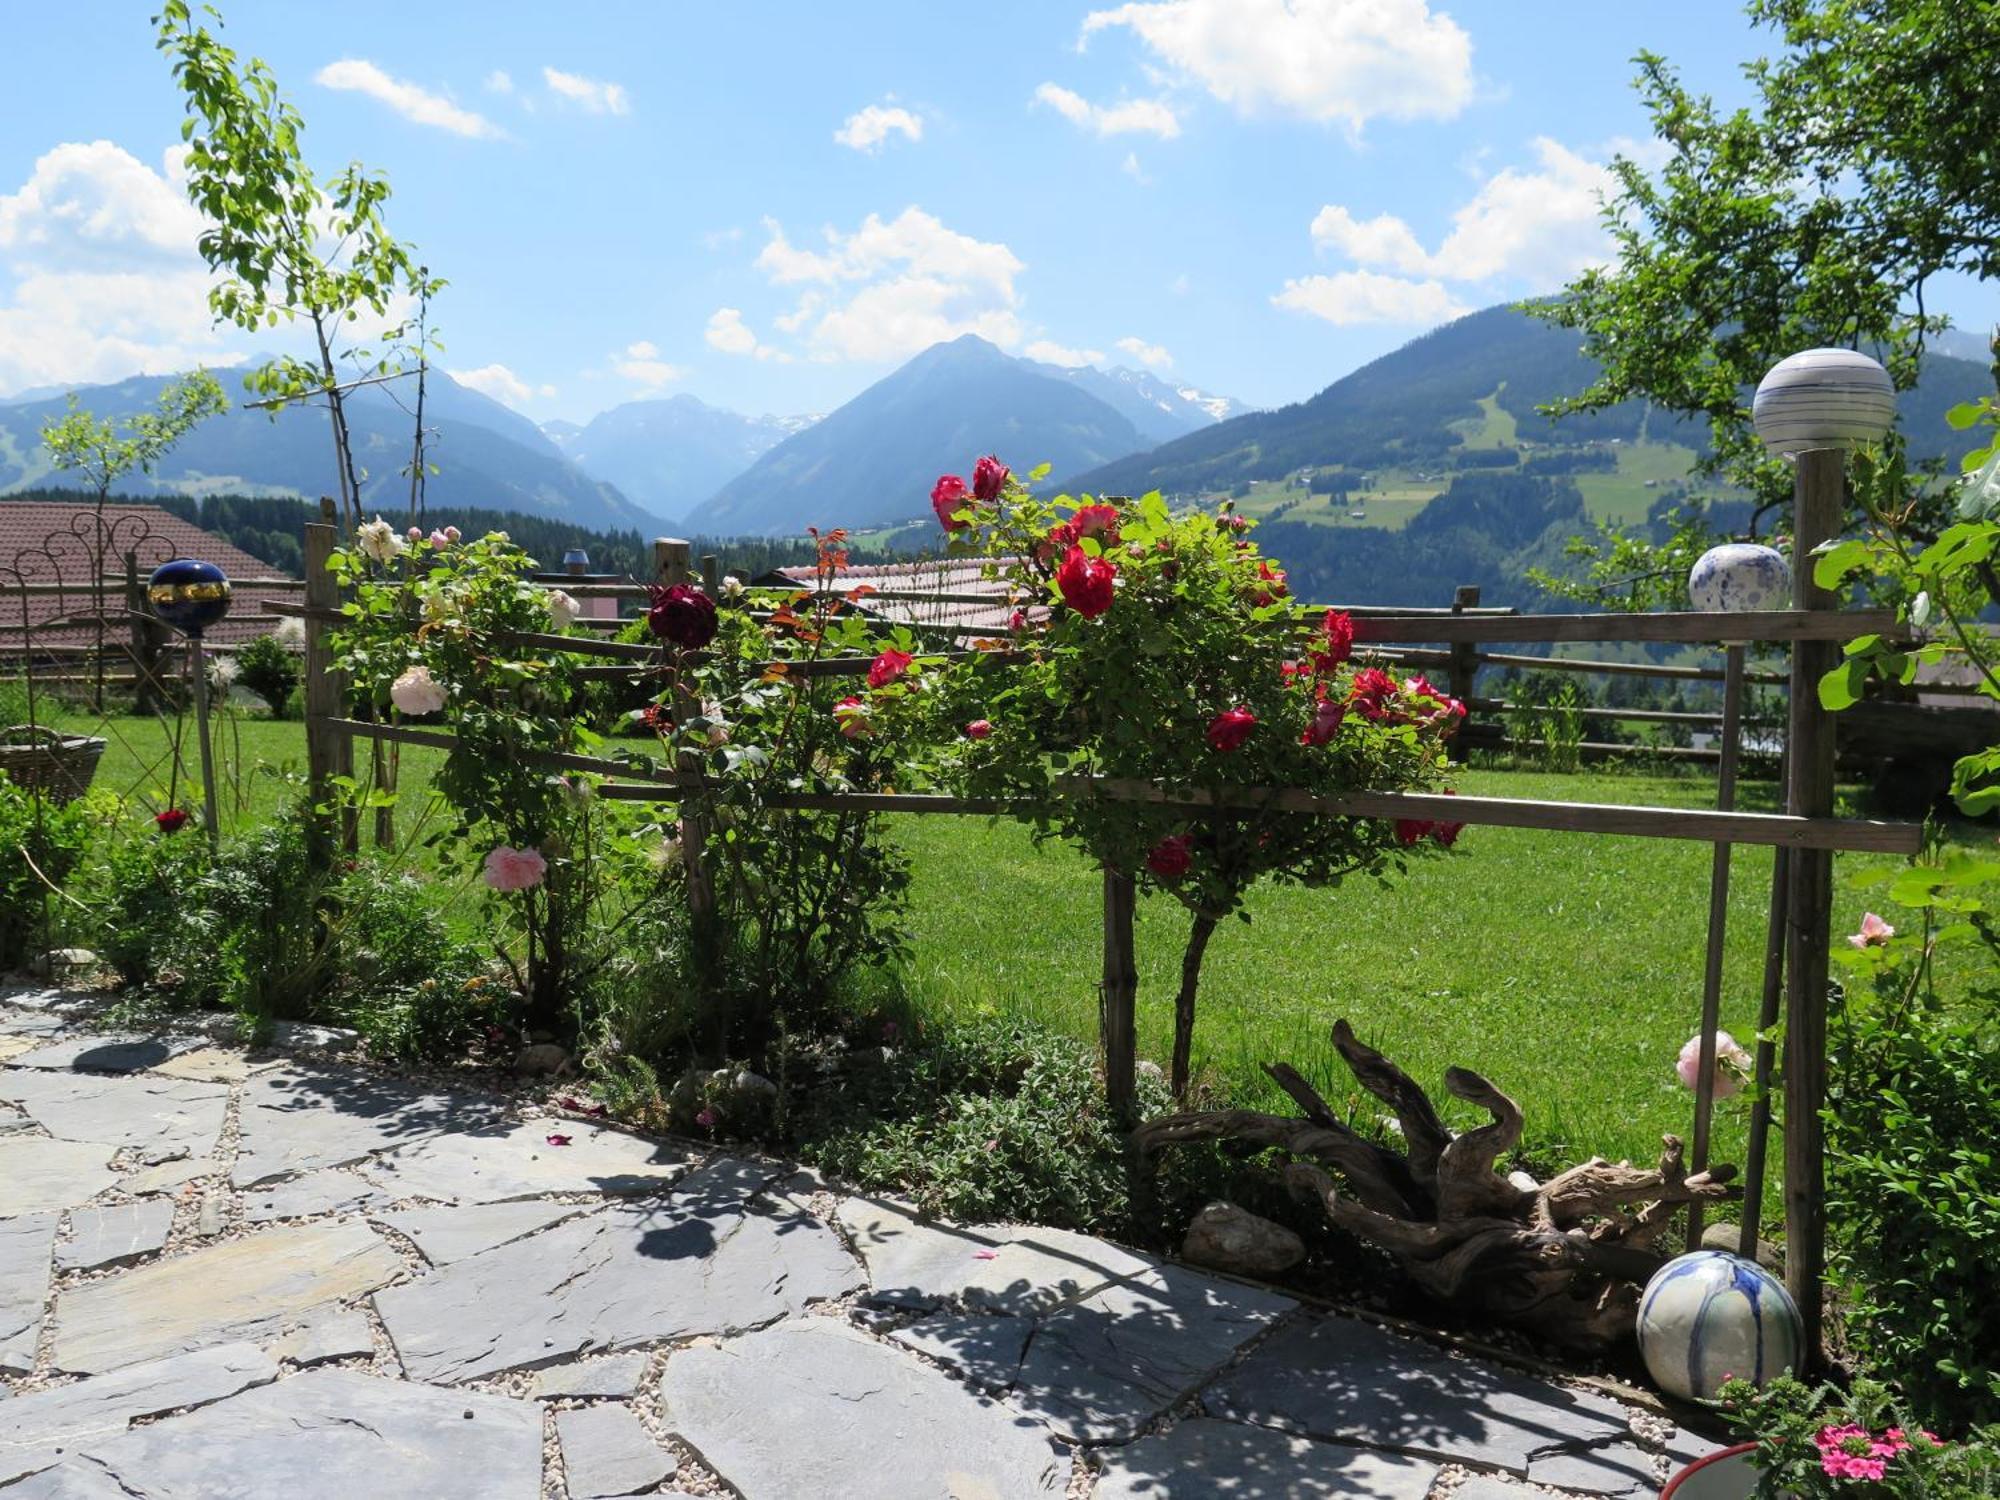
x,y
417,693
732,587
379,540
563,609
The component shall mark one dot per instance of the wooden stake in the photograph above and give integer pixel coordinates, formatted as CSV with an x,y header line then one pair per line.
x,y
671,566
1117,1010
329,749
1820,500
1718,924
1767,1050
1464,667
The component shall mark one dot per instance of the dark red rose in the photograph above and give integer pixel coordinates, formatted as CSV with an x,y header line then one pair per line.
x,y
1086,583
1325,724
683,615
978,729
170,821
1228,730
1172,857
989,478
1446,833
1412,830
1337,639
947,499
887,667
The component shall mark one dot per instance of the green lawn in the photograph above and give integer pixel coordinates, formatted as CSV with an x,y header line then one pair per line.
x,y
1566,968
1644,469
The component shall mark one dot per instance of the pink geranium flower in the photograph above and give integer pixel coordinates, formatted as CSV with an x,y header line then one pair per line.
x,y
511,869
1874,933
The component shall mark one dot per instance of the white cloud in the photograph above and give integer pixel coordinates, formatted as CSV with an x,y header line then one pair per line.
x,y
870,128
907,283
1355,297
593,95
1128,117
500,81
640,363
728,332
411,101
1536,228
1052,353
1348,61
1150,355
105,281
501,383
1131,168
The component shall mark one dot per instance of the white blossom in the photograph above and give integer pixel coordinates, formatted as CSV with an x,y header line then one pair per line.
x,y
417,693
379,540
563,609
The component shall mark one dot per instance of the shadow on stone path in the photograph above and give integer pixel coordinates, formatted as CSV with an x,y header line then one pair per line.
x,y
224,1275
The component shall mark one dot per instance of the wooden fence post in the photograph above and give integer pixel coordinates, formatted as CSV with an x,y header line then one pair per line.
x,y
145,639
1718,922
1464,668
329,752
1820,501
671,557
1117,1006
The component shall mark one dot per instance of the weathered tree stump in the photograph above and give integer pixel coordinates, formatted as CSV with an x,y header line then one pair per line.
x,y
1565,1259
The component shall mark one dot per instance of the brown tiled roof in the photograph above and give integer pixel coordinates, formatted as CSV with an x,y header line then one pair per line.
x,y
44,542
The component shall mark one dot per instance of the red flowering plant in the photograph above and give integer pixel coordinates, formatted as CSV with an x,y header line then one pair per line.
x,y
1168,660
800,896
1859,1442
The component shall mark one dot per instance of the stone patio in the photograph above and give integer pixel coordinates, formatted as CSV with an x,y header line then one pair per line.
x,y
231,1275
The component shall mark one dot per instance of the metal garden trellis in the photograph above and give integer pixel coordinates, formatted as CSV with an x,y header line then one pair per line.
x,y
1804,835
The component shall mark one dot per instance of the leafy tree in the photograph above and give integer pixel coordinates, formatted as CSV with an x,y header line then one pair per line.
x,y
287,246
103,451
1818,215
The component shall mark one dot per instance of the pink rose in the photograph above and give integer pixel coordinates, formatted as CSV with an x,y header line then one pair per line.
x,y
978,729
452,533
989,478
439,540
1732,1064
887,667
511,869
417,693
1874,933
1326,721
947,499
851,714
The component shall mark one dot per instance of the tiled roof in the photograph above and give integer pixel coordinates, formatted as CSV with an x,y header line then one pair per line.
x,y
43,542
950,575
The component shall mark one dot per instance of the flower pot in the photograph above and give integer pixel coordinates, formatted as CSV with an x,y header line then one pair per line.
x,y
1726,1474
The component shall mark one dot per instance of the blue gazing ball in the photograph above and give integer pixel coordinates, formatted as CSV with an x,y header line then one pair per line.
x,y
189,594
1709,1315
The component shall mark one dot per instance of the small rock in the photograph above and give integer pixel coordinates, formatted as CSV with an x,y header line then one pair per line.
x,y
542,1058
1723,1235
1226,1238
1148,1069
60,961
753,1086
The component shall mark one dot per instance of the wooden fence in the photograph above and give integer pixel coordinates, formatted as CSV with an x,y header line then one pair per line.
x,y
1805,834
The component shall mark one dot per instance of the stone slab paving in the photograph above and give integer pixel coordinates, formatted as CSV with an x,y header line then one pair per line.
x,y
402,1289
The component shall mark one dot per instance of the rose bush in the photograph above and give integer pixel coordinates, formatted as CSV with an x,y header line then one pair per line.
x,y
1169,661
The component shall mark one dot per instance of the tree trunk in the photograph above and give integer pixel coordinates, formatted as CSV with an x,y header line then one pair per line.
x,y
1197,949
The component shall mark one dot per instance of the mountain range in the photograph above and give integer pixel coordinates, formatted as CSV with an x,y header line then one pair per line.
x,y
670,453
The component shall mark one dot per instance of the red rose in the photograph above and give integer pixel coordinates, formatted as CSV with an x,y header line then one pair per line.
x,y
978,729
682,614
170,821
1018,621
989,478
1273,584
851,714
1446,833
887,667
1325,724
1372,690
1172,857
1228,730
1096,520
1337,627
1086,583
947,499
1411,830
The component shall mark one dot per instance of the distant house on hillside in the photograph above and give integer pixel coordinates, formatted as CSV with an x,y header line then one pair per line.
x,y
929,593
52,553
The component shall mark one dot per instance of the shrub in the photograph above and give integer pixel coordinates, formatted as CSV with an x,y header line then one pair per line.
x,y
416,992
40,844
269,670
1824,1441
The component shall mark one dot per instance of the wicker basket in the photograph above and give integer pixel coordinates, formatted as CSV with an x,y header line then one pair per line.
x,y
59,766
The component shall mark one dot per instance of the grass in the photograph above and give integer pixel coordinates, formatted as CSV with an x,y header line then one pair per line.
x,y
1566,968
1623,496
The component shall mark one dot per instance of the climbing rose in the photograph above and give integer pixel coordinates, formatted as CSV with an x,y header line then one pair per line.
x,y
379,540
851,714
1372,690
415,534
682,614
1337,626
1172,857
1098,521
1732,1062
1325,723
439,540
417,693
978,729
1271,584
948,498
170,821
1411,830
563,609
451,533
989,478
511,869
1017,621
1086,583
1874,933
887,667
1228,730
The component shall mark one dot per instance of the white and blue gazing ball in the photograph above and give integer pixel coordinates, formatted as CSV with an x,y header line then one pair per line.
x,y
1708,1316
1739,576
1823,398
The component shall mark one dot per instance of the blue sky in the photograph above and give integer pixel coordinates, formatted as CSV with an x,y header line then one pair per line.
x,y
771,205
